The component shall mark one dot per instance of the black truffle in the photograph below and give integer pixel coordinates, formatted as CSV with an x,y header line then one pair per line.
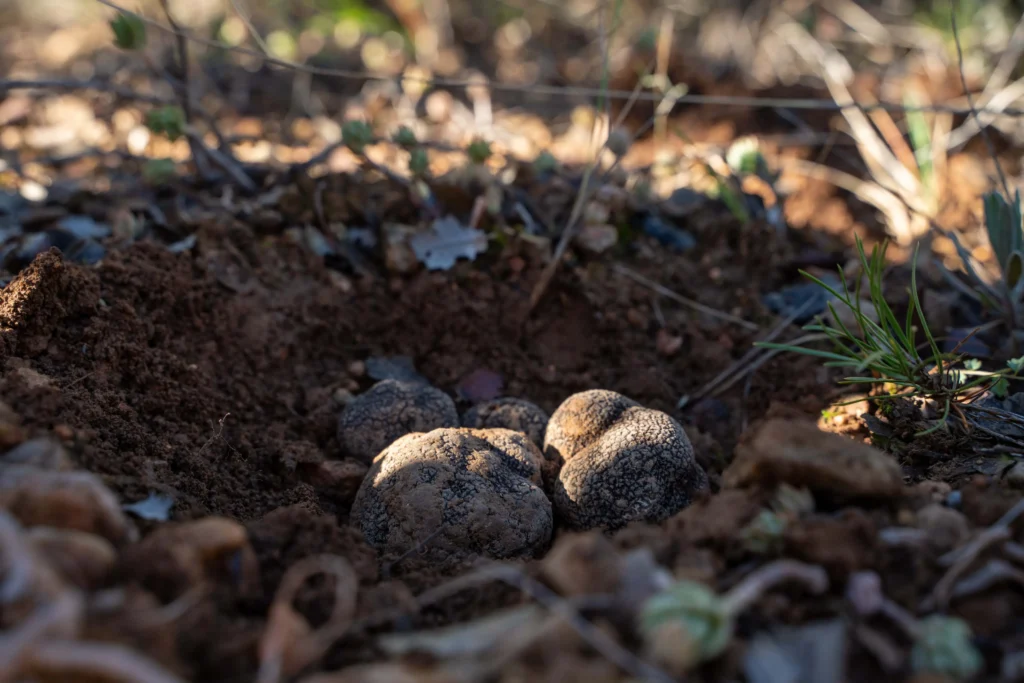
x,y
623,462
391,409
456,493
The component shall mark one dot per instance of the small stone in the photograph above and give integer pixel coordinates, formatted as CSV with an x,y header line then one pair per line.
x,y
340,478
64,432
668,344
343,397
798,453
597,239
357,368
398,254
946,528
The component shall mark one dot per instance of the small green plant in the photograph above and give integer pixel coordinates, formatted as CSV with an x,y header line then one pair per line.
x,y
943,646
129,32
419,163
169,121
405,138
158,171
1003,293
881,349
545,162
479,151
356,135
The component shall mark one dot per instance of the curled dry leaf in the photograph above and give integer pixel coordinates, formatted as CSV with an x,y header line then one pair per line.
x,y
289,644
65,500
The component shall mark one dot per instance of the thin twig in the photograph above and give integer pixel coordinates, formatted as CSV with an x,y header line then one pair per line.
x,y
970,100
73,85
747,358
679,298
965,556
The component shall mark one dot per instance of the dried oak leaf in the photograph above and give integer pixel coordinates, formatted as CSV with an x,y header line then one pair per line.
x,y
446,242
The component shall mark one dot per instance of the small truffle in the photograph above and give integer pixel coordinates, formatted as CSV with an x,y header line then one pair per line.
x,y
391,409
519,416
455,493
623,462
508,413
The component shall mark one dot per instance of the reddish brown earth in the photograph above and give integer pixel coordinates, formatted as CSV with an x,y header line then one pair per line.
x,y
214,377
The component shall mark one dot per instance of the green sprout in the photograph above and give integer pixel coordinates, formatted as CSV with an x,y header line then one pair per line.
x,y
479,151
158,171
545,162
405,138
169,121
129,32
694,616
943,646
689,623
356,135
419,164
744,156
764,535
881,349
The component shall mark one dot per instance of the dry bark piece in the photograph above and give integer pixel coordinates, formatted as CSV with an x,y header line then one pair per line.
x,y
391,409
456,493
623,462
177,557
798,453
64,500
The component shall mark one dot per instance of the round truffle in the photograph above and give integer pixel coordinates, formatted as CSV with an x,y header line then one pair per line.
x,y
454,493
623,462
391,409
508,413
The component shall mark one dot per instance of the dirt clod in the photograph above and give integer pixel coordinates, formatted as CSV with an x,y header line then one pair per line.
x,y
623,462
798,453
177,557
389,410
455,493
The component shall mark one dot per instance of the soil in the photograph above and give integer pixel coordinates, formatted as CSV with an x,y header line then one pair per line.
x,y
213,376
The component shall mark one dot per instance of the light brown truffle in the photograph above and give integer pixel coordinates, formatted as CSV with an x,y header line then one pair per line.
x,y
623,462
456,493
391,409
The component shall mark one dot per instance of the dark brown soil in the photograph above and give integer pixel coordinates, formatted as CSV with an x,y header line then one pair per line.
x,y
215,377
